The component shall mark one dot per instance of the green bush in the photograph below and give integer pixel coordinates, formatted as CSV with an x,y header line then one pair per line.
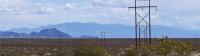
x,y
129,52
167,47
89,51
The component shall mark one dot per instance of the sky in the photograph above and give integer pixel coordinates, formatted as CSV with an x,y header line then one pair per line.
x,y
183,14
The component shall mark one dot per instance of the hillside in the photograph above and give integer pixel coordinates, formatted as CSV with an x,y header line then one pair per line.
x,y
43,33
112,30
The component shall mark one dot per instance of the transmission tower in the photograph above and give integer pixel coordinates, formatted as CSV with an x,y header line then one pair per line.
x,y
103,38
142,23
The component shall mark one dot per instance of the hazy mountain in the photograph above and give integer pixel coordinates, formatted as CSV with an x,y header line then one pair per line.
x,y
84,36
112,30
43,33
87,29
12,34
174,32
49,33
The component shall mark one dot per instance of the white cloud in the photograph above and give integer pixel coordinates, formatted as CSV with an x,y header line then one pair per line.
x,y
13,3
12,6
45,10
179,13
22,7
173,13
50,10
69,6
112,3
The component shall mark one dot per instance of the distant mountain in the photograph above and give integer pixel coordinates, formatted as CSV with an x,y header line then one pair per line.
x,y
88,29
158,31
43,33
112,30
49,33
84,36
12,34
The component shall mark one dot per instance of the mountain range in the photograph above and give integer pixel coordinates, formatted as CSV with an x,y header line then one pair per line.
x,y
112,30
43,33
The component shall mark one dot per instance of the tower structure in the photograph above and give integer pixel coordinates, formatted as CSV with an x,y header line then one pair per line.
x,y
142,17
103,38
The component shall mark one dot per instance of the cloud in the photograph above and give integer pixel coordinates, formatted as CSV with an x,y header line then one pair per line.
x,y
172,13
112,3
179,13
22,7
69,6
11,6
45,10
13,3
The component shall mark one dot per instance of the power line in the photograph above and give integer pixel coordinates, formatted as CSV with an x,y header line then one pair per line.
x,y
103,38
142,24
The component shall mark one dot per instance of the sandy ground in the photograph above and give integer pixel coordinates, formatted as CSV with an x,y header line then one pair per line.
x,y
195,54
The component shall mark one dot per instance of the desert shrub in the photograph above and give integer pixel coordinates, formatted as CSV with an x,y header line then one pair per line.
x,y
129,52
89,51
167,47
132,51
60,52
183,48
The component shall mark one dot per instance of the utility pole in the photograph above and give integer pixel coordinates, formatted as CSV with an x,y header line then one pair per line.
x,y
103,38
142,23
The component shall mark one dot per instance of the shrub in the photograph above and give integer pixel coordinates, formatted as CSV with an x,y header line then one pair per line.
x,y
89,51
129,52
167,47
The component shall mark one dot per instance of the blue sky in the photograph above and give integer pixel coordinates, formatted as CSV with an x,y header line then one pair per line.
x,y
34,13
